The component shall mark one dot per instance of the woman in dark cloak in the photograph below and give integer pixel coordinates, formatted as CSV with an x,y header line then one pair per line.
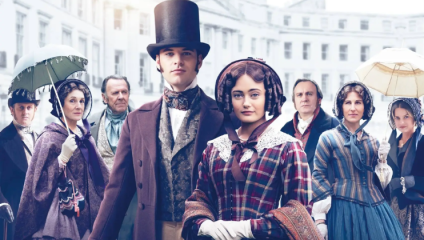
x,y
39,215
406,158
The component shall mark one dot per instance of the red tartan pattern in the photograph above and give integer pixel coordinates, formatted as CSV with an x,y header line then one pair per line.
x,y
280,172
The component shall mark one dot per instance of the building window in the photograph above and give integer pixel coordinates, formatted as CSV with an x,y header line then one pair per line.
x,y
305,21
269,17
324,23
287,20
119,62
412,25
286,83
253,50
387,26
413,49
365,53
342,23
268,47
224,40
96,63
144,24
20,33
344,78
67,37
42,35
3,59
144,70
324,51
343,52
364,24
287,50
118,19
306,51
82,46
307,76
324,84
64,4
80,8
386,47
207,37
240,43
94,10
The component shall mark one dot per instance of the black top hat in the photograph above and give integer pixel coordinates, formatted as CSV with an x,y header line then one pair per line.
x,y
23,96
177,25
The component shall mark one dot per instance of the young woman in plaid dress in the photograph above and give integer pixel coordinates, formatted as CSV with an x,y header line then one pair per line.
x,y
244,174
346,193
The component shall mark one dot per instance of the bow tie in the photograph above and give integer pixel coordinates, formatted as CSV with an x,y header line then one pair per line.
x,y
22,129
180,100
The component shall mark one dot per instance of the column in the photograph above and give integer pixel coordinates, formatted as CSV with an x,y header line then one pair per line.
x,y
132,63
218,49
108,47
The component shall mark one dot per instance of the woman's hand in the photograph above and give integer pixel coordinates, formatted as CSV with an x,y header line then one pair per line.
x,y
383,170
68,148
322,228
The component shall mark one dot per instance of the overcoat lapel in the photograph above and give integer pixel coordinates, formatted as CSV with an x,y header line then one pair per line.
x,y
14,147
149,122
210,123
319,124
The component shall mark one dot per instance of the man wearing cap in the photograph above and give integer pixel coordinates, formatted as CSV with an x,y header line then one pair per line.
x,y
310,120
16,145
161,142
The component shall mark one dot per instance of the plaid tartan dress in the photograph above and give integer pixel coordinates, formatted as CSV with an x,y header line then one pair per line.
x,y
280,172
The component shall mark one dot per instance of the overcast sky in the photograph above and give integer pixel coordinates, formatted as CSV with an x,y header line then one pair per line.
x,y
368,6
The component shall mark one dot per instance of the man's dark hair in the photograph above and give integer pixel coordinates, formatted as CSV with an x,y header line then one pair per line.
x,y
319,92
114,77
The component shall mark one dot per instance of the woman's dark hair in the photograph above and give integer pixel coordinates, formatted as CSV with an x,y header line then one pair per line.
x,y
401,104
69,87
259,72
366,98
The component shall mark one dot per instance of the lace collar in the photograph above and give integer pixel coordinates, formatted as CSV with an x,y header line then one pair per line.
x,y
271,137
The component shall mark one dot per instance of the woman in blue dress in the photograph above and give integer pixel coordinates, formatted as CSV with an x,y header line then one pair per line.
x,y
345,192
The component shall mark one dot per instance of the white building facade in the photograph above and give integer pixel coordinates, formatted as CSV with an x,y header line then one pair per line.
x,y
302,40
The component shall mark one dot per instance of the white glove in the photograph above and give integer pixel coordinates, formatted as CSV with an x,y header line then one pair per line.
x,y
217,230
322,228
384,149
383,170
68,148
241,228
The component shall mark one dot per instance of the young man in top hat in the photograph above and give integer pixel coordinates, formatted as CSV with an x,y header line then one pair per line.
x,y
16,145
310,120
162,142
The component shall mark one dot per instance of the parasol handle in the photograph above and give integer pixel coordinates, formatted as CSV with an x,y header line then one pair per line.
x,y
57,96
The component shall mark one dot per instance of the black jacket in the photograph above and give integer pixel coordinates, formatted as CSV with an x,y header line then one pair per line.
x,y
412,165
322,123
13,167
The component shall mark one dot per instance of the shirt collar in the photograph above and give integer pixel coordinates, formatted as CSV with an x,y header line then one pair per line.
x,y
193,84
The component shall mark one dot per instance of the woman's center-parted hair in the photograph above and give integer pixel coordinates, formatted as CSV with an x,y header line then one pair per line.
x,y
404,105
341,97
274,98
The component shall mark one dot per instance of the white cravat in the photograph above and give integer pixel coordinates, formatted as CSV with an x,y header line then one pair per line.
x,y
176,115
302,125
